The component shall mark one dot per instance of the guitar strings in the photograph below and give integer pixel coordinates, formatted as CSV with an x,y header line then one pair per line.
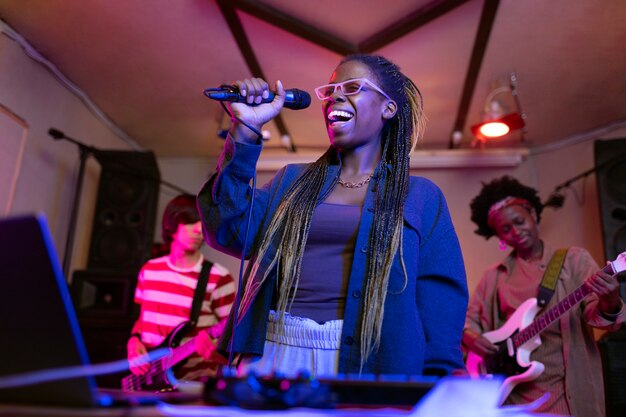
x,y
143,378
135,381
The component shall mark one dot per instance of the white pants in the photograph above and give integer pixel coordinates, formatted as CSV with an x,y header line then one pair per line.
x,y
305,346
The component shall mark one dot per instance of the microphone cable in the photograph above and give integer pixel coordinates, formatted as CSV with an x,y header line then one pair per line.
x,y
246,235
240,279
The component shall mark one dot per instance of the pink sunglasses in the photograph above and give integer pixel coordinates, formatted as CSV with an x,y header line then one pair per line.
x,y
348,88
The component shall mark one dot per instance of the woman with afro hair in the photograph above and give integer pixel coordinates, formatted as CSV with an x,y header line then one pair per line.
x,y
573,371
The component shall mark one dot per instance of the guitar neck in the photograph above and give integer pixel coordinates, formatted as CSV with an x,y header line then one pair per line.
x,y
186,349
541,322
181,352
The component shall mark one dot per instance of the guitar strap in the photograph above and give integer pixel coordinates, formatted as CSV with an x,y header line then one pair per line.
x,y
198,295
548,282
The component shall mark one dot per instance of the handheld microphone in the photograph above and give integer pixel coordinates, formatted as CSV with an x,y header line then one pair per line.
x,y
294,99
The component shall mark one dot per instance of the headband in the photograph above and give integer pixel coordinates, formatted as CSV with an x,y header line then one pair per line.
x,y
505,202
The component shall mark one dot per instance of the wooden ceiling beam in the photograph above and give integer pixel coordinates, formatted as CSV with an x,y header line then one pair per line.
x,y
487,18
238,32
396,30
294,26
408,24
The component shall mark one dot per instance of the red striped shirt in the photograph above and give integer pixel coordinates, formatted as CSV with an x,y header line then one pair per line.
x,y
165,294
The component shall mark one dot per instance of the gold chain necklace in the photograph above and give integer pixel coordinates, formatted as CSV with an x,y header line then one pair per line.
x,y
359,184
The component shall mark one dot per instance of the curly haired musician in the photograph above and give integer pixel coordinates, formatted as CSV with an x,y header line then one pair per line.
x,y
573,371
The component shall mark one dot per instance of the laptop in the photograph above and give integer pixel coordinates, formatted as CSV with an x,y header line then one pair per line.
x,y
39,326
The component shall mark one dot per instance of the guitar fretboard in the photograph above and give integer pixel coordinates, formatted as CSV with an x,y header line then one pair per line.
x,y
186,349
551,315
181,352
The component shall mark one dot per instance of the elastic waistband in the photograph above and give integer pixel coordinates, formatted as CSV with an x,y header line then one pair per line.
x,y
303,332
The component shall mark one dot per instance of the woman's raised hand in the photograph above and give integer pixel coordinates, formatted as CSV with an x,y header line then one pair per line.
x,y
253,112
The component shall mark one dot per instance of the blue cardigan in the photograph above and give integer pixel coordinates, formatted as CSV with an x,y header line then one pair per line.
x,y
423,321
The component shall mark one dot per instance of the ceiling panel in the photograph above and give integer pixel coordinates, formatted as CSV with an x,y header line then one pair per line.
x,y
145,63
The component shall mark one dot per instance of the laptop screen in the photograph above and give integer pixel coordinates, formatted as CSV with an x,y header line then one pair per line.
x,y
38,323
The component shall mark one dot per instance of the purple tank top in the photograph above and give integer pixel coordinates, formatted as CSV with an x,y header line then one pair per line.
x,y
327,262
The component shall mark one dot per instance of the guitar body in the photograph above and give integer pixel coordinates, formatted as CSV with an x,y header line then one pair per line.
x,y
519,337
160,376
514,364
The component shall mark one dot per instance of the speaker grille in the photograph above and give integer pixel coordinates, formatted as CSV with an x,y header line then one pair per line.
x,y
614,180
610,158
613,349
115,245
123,227
103,294
123,190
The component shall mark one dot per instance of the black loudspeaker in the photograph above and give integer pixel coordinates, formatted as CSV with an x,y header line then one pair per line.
x,y
123,225
102,294
613,350
104,304
610,158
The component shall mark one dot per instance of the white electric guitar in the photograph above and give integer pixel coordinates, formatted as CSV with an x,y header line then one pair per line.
x,y
519,336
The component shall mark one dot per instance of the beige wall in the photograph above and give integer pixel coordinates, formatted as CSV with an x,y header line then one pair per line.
x,y
48,170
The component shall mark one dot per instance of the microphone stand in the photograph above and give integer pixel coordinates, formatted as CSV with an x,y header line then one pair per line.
x,y
556,199
85,151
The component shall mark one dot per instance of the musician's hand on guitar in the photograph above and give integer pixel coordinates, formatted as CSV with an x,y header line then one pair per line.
x,y
607,288
136,349
478,343
205,346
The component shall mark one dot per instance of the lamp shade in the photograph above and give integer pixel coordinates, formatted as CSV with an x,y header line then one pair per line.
x,y
499,127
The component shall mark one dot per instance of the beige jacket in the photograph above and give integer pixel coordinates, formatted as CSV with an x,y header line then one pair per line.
x,y
583,368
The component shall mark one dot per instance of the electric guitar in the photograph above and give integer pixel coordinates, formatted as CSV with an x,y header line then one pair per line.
x,y
519,336
160,376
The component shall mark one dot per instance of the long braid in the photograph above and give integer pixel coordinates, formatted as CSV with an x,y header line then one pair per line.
x,y
287,232
399,138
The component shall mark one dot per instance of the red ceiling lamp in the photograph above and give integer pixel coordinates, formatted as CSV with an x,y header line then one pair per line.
x,y
498,117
